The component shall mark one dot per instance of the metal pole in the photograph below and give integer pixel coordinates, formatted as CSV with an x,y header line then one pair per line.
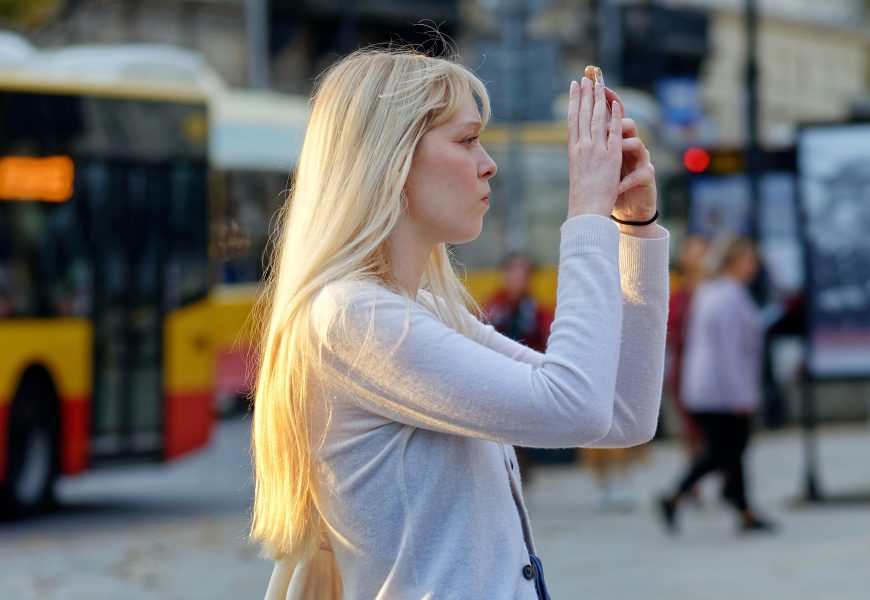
x,y
610,42
812,493
257,42
514,65
753,166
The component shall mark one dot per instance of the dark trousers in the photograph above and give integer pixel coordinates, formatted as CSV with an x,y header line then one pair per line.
x,y
726,436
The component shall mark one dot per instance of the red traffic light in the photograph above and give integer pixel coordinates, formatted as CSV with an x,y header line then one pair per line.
x,y
696,160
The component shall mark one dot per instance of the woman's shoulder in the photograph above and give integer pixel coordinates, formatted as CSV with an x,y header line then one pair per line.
x,y
350,295
346,291
354,301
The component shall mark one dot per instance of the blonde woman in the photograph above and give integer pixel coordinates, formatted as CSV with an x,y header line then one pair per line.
x,y
384,411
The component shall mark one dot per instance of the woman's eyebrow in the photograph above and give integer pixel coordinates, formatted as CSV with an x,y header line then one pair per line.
x,y
464,124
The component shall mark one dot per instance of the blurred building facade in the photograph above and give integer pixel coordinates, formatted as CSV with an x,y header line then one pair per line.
x,y
213,27
814,59
301,36
688,54
813,66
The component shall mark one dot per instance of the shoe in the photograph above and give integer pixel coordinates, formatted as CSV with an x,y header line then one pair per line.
x,y
757,526
668,510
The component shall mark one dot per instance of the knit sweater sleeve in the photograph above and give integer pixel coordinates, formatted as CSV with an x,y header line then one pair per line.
x,y
645,291
639,378
396,359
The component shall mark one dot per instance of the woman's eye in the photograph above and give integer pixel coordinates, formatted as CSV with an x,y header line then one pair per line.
x,y
471,140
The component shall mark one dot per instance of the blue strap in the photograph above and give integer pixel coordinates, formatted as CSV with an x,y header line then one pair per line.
x,y
540,584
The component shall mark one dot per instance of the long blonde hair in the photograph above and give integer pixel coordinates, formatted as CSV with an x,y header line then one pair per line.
x,y
369,112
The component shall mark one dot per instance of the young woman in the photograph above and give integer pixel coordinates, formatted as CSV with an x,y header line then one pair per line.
x,y
384,410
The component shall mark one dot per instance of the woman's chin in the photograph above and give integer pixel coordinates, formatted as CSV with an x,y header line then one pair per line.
x,y
468,236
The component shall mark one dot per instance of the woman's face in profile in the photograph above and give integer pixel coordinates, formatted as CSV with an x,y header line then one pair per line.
x,y
448,186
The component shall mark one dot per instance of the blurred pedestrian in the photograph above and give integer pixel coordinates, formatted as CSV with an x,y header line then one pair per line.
x,y
612,470
384,410
691,270
721,380
514,312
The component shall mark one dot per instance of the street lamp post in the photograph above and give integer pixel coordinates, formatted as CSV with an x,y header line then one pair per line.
x,y
257,38
752,154
514,14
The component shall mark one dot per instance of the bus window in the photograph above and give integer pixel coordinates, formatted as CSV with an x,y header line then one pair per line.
x,y
187,261
250,205
43,268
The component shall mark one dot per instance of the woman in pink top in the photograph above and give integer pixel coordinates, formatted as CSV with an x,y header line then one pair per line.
x,y
720,382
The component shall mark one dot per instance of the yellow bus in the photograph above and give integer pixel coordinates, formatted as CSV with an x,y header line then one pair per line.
x,y
105,282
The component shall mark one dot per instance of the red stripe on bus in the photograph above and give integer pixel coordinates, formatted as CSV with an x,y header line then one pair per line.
x,y
75,429
188,422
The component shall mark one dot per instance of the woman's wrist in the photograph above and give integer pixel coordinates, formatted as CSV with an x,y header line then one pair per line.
x,y
637,223
646,219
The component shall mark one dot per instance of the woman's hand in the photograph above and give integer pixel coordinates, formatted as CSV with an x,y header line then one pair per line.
x,y
594,151
637,198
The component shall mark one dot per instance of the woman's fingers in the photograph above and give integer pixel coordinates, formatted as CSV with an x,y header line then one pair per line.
x,y
614,140
599,114
636,159
585,109
634,146
574,113
644,175
594,153
629,127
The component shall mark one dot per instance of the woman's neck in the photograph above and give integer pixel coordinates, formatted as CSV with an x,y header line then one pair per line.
x,y
410,254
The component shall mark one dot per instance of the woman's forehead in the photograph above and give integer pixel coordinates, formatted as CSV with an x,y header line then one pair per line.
x,y
466,115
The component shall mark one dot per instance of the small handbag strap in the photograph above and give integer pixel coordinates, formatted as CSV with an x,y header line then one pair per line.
x,y
540,584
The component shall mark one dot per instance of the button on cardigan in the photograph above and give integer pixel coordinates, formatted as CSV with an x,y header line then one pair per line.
x,y
413,475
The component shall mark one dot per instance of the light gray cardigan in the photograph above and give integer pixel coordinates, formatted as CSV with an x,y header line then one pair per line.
x,y
417,478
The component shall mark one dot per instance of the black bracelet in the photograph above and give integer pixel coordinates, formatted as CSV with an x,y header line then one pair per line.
x,y
636,223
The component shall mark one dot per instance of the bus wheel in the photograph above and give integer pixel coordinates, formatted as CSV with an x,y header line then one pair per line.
x,y
32,453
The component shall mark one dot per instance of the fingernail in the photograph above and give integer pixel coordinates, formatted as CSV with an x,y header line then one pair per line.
x,y
583,83
573,85
615,106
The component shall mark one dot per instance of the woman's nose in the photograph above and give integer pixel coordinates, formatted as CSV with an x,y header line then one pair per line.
x,y
488,167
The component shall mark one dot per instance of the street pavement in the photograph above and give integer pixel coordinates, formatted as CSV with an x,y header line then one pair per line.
x,y
821,550
178,531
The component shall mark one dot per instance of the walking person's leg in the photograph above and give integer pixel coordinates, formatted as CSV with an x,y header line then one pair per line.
x,y
735,437
710,459
740,427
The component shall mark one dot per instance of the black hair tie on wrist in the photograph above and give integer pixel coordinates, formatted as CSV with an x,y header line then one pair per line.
x,y
636,223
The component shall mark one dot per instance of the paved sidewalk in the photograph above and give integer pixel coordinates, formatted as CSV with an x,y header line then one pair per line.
x,y
177,532
820,552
